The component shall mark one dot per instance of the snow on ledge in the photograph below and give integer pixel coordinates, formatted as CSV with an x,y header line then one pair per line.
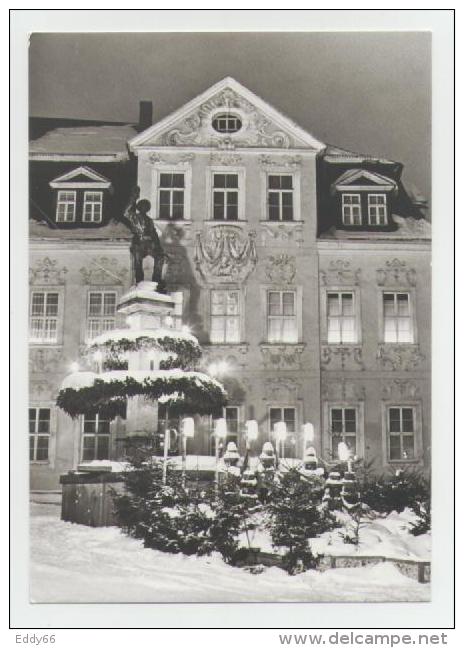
x,y
155,334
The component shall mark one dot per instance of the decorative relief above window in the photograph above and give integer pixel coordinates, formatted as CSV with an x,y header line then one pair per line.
x,y
44,360
343,390
396,273
342,357
184,159
225,159
282,389
399,357
225,252
103,271
400,389
340,273
280,268
291,161
278,232
282,356
47,272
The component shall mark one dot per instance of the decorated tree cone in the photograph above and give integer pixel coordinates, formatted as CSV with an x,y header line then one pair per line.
x,y
350,493
268,457
332,491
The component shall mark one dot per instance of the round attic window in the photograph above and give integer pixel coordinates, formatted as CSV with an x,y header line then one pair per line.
x,y
227,123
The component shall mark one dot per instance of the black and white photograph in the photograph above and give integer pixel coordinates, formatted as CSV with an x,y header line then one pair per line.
x,y
230,317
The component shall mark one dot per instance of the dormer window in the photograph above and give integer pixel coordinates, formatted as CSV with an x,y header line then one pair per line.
x,y
66,207
79,196
93,207
351,209
377,209
364,198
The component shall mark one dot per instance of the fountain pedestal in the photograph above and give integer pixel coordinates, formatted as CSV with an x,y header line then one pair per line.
x,y
145,310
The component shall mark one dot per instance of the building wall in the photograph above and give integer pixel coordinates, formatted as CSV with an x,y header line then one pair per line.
x,y
71,269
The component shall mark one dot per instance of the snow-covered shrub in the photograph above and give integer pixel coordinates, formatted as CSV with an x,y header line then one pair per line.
x,y
296,516
422,510
394,492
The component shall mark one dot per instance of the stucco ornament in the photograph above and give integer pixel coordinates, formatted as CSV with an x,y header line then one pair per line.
x,y
178,160
280,268
342,357
399,357
339,273
225,252
47,272
291,161
276,232
282,356
256,129
342,390
396,273
103,271
282,389
44,360
400,388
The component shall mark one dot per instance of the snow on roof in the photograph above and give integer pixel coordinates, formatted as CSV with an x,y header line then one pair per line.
x,y
408,229
333,153
81,140
114,230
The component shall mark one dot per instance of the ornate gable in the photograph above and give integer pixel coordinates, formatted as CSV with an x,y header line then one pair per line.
x,y
256,123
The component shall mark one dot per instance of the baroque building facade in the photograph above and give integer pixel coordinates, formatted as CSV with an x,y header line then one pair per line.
x,y
303,270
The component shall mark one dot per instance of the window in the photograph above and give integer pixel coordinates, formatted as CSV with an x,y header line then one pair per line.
x,y
281,316
343,428
401,433
93,207
101,311
96,438
171,196
397,318
341,321
227,123
43,322
288,416
377,209
66,207
280,197
225,196
39,433
225,316
351,209
231,414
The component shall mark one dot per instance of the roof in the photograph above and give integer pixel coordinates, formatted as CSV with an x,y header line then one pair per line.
x,y
108,140
115,230
335,154
417,229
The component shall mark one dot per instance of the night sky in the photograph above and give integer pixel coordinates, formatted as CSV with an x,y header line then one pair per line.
x,y
368,92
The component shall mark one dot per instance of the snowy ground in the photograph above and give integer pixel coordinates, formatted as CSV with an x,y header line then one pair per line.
x,y
74,563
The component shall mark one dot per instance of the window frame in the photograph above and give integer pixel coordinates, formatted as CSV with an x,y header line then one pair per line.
x,y
100,318
224,317
416,407
184,168
355,316
93,204
59,318
95,435
280,193
282,317
171,191
270,170
72,202
295,435
374,210
350,206
227,117
412,316
241,188
328,451
36,434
